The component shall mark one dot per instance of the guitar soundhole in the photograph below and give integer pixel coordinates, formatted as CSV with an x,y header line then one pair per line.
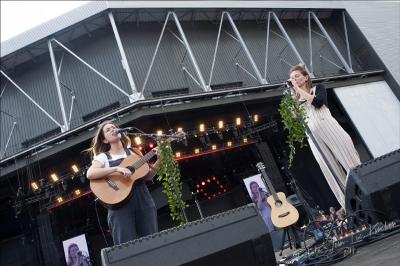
x,y
278,203
283,214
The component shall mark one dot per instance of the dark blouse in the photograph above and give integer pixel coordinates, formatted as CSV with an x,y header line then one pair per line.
x,y
321,97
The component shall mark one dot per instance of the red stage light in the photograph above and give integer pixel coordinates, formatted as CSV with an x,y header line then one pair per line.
x,y
203,183
221,186
151,145
201,190
198,186
214,178
224,190
208,181
205,194
209,198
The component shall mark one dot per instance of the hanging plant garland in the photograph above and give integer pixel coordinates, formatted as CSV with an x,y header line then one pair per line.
x,y
292,115
170,177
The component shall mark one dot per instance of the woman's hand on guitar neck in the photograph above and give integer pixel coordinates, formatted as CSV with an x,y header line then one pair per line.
x,y
124,171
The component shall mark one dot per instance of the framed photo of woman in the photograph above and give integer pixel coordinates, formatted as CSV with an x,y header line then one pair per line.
x,y
259,194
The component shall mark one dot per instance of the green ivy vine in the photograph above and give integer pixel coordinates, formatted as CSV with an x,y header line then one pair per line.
x,y
169,175
292,115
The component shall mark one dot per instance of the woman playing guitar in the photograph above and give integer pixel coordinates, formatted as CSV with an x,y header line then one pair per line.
x,y
137,217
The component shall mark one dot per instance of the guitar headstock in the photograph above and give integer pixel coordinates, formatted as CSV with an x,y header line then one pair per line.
x,y
260,166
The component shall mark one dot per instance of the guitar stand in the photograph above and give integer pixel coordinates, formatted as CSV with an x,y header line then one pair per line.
x,y
286,232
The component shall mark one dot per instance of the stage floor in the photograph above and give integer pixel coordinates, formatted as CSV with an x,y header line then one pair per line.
x,y
385,252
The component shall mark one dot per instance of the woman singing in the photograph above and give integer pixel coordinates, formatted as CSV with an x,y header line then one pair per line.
x,y
138,217
333,141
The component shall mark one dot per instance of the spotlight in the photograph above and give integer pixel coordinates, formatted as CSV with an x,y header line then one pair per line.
x,y
238,121
159,132
34,186
229,143
197,151
138,141
201,128
244,140
54,177
151,145
220,124
180,129
214,147
178,155
77,192
75,168
255,118
60,199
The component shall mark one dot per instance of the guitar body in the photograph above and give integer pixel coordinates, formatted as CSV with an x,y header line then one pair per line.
x,y
115,189
283,213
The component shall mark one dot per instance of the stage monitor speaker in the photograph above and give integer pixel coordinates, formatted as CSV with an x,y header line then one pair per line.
x,y
235,237
373,190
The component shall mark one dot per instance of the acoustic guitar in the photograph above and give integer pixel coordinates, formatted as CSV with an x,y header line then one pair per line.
x,y
115,189
283,214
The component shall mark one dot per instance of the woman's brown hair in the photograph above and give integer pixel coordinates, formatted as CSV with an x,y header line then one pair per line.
x,y
302,69
98,145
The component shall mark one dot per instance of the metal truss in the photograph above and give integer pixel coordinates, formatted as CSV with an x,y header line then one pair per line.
x,y
124,61
347,66
34,102
183,40
238,38
135,95
288,39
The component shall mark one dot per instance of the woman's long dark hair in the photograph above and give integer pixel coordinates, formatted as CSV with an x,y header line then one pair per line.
x,y
98,145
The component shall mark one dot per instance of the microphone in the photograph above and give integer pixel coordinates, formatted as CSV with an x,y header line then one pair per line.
x,y
122,130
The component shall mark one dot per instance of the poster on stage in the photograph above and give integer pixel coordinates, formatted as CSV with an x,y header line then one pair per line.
x,y
76,251
259,194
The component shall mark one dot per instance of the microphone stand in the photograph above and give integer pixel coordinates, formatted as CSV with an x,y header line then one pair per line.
x,y
157,138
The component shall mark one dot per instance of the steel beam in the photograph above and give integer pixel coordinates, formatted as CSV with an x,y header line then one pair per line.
x,y
32,100
267,47
8,141
289,40
94,70
332,44
65,127
347,39
124,60
189,50
260,79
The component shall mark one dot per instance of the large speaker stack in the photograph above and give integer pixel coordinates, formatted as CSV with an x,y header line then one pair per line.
x,y
235,237
373,190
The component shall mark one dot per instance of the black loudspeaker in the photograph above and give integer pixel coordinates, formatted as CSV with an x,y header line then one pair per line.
x,y
235,237
373,190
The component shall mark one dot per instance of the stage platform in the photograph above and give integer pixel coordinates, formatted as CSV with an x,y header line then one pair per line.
x,y
385,252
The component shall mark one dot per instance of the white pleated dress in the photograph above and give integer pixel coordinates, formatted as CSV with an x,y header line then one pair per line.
x,y
336,145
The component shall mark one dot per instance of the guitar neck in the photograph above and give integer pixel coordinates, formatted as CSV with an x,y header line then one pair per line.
x,y
269,185
145,159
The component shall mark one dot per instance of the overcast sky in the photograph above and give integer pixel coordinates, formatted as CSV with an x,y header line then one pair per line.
x,y
20,16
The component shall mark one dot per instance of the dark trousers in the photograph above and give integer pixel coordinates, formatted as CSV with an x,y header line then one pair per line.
x,y
136,218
